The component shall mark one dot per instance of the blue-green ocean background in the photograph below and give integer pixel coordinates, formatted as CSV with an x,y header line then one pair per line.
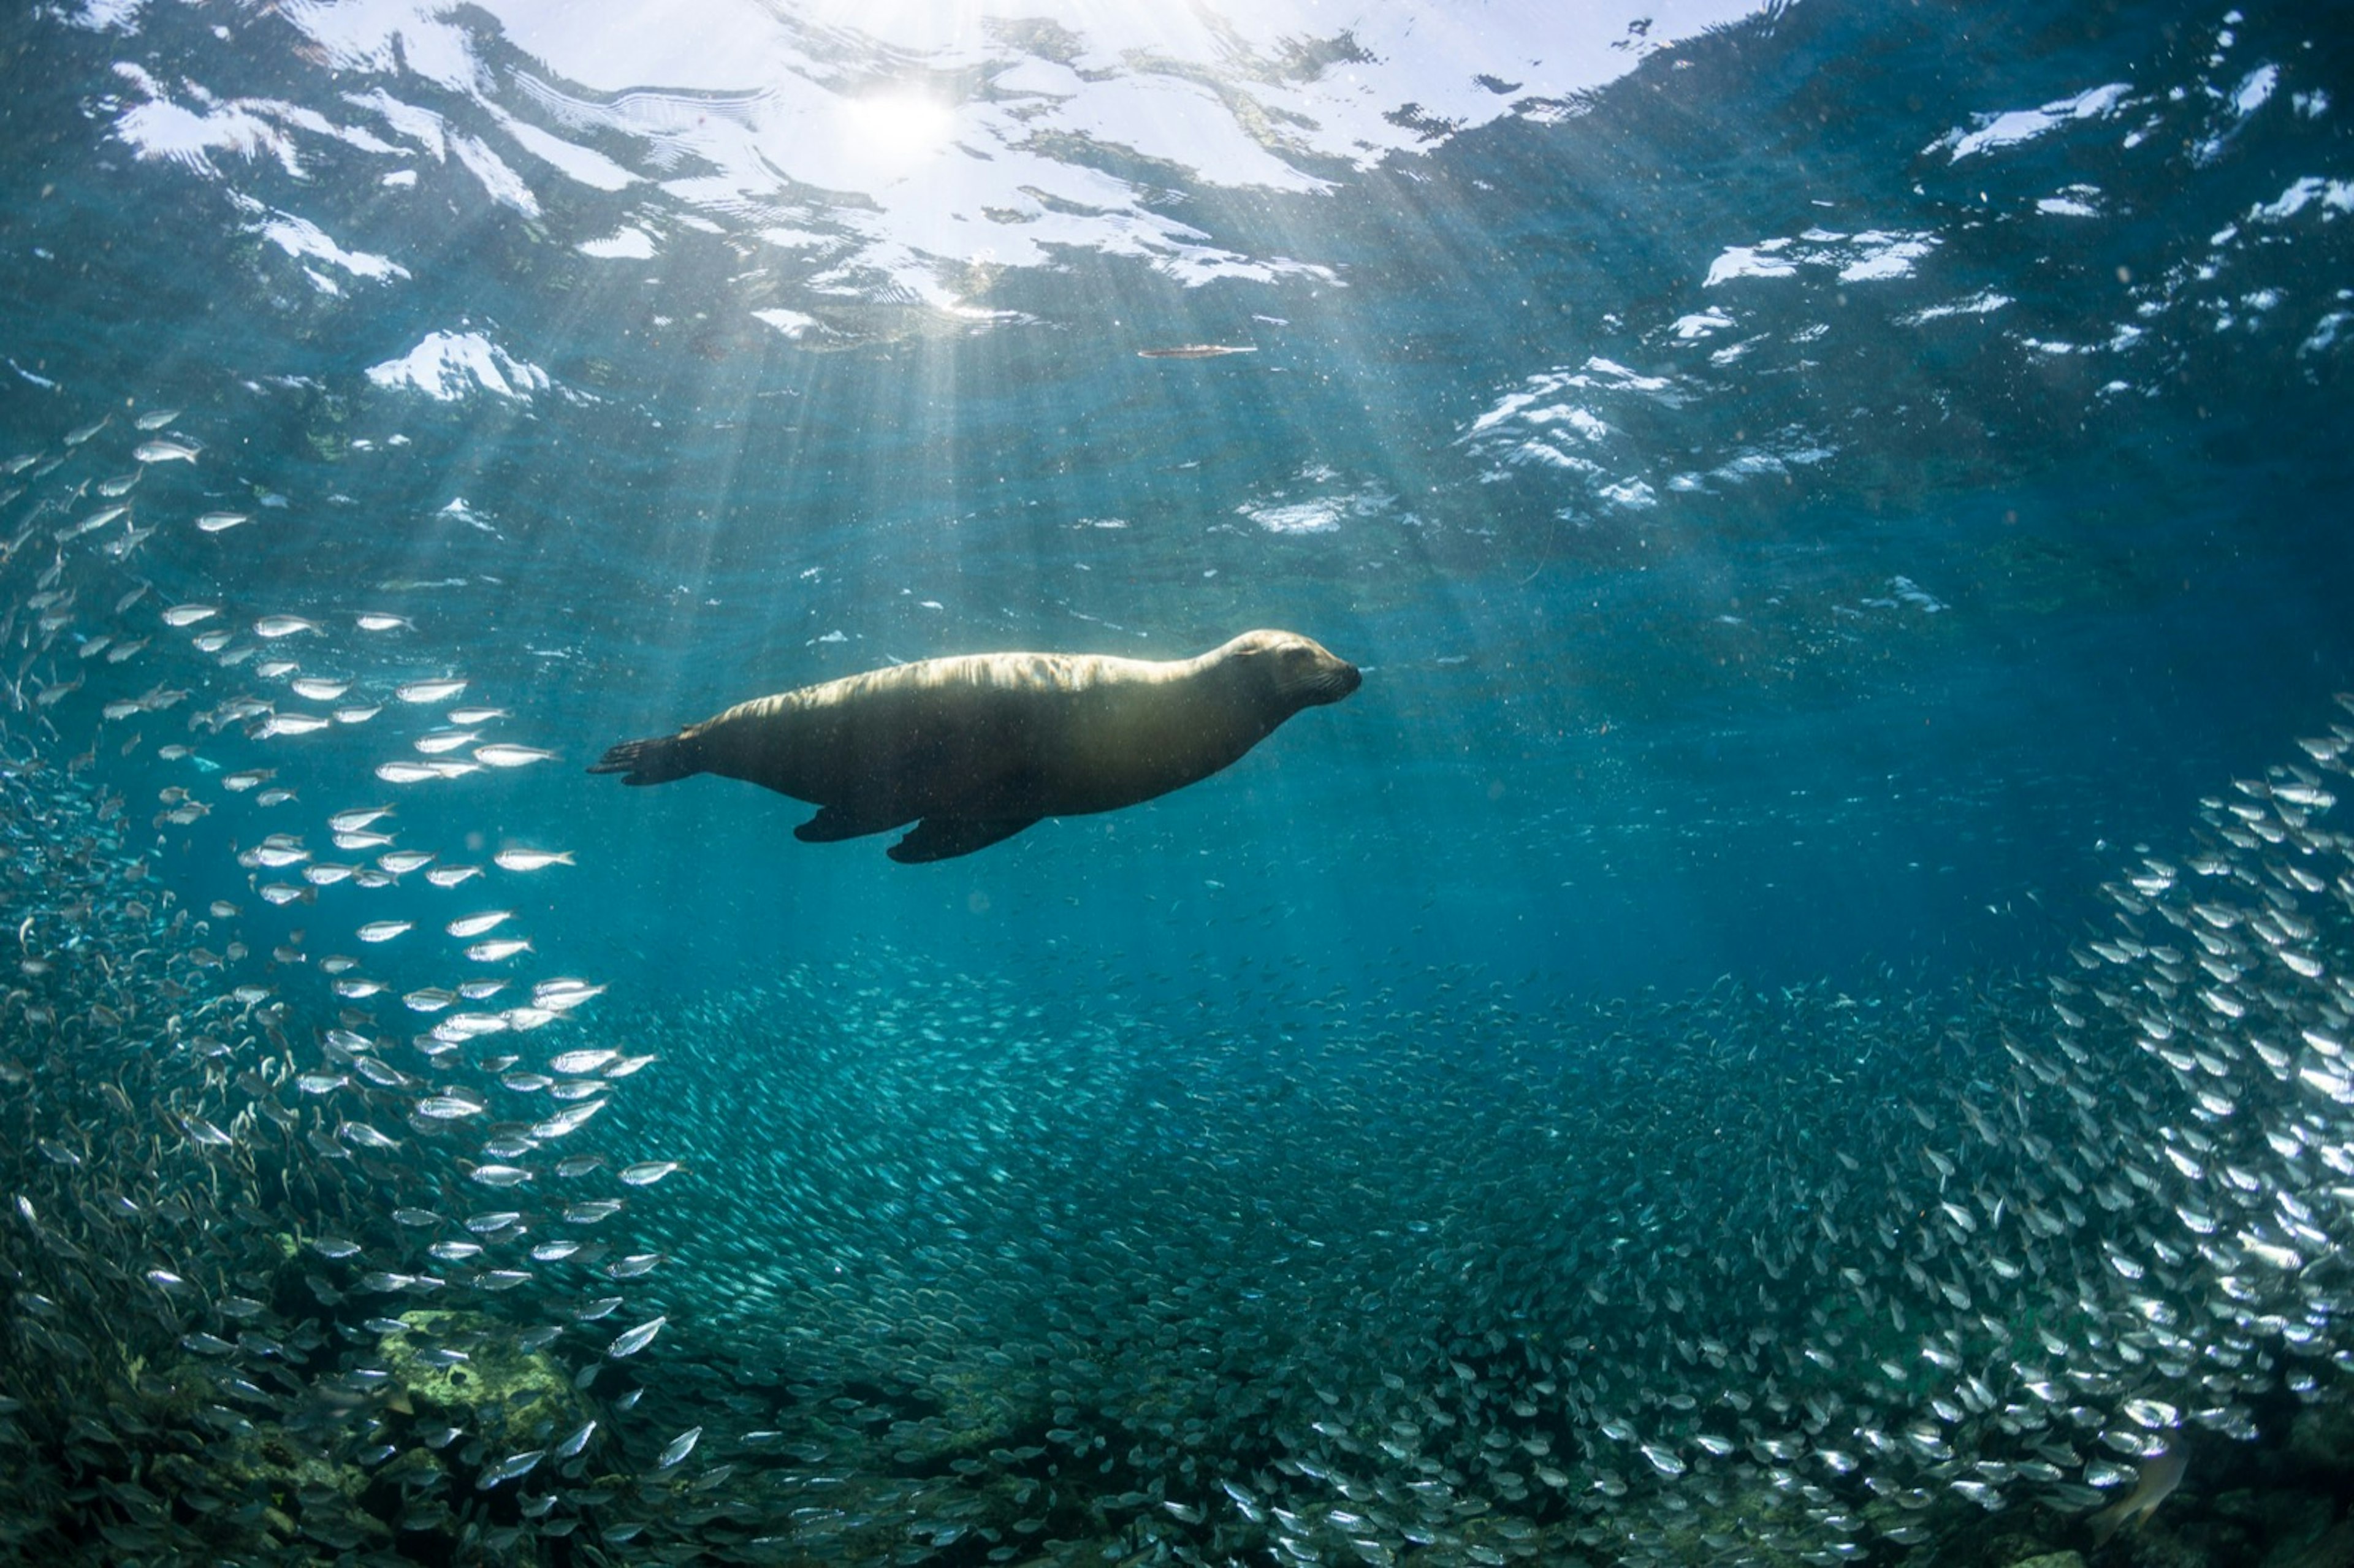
x,y
1816,493
1946,608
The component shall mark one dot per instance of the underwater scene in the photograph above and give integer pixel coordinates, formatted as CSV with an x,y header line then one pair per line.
x,y
1345,782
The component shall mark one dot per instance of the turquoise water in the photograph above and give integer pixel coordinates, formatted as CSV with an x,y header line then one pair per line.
x,y
1822,498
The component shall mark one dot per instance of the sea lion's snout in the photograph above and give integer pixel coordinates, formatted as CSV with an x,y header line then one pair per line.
x,y
1344,679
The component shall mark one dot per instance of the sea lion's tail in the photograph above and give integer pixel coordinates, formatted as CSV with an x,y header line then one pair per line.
x,y
657,760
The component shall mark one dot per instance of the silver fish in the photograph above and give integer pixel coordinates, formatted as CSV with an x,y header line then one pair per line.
x,y
679,1448
630,1342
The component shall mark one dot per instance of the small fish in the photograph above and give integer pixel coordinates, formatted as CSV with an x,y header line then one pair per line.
x,y
121,484
433,742
430,690
401,862
494,951
382,930
123,650
290,724
499,1175
82,434
155,419
646,1173
680,1448
531,860
372,621
189,614
630,1341
357,715
451,876
475,924
1197,351
221,522
161,450
564,995
565,1123
359,818
91,524
199,1130
503,755
406,772
211,642
2155,1483
275,626
509,1469
576,1442
314,689
132,537
462,717
248,779
277,851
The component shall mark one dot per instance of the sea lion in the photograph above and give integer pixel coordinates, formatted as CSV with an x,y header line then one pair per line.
x,y
975,750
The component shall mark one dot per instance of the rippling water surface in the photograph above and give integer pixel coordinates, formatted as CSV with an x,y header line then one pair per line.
x,y
1797,1015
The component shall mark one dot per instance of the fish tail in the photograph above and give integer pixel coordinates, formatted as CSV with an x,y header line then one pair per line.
x,y
656,760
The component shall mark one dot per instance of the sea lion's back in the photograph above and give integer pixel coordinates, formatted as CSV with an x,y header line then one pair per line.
x,y
921,730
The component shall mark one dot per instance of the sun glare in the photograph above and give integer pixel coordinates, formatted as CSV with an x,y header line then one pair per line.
x,y
897,131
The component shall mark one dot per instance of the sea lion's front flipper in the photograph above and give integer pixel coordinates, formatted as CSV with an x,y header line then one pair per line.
x,y
657,760
835,823
944,838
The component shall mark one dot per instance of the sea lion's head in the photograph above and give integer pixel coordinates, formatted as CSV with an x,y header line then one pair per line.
x,y
1290,671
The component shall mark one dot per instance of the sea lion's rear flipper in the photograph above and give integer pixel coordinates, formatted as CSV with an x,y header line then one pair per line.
x,y
944,838
835,823
657,760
